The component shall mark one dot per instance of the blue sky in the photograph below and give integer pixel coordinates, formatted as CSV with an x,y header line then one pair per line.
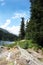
x,y
11,12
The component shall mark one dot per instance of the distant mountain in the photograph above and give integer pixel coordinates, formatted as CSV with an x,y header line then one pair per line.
x,y
7,36
3,30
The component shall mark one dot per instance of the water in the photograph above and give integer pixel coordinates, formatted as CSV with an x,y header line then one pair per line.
x,y
6,42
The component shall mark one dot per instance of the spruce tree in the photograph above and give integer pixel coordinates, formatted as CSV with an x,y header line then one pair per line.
x,y
22,29
36,21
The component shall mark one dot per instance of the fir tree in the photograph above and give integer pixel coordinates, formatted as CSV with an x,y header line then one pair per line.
x,y
36,21
22,29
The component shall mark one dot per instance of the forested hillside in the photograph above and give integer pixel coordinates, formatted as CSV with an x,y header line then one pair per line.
x,y
5,35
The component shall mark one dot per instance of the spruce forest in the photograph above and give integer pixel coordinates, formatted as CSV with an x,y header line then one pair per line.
x,y
34,28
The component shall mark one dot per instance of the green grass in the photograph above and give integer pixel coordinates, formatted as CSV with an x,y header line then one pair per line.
x,y
25,44
28,44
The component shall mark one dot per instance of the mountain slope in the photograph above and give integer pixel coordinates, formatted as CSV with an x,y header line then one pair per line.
x,y
5,35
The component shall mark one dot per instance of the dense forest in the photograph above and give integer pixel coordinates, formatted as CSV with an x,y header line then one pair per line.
x,y
34,28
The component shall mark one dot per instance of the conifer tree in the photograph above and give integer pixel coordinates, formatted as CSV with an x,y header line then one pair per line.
x,y
36,21
22,29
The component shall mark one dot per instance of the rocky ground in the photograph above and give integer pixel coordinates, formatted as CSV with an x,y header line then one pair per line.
x,y
19,56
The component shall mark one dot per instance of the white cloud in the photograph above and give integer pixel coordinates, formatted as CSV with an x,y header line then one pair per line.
x,y
6,23
14,29
18,15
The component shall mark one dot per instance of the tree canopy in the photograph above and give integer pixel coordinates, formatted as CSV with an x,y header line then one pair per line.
x,y
35,25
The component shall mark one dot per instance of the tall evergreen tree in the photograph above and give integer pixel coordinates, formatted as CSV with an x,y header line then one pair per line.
x,y
36,21
22,29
